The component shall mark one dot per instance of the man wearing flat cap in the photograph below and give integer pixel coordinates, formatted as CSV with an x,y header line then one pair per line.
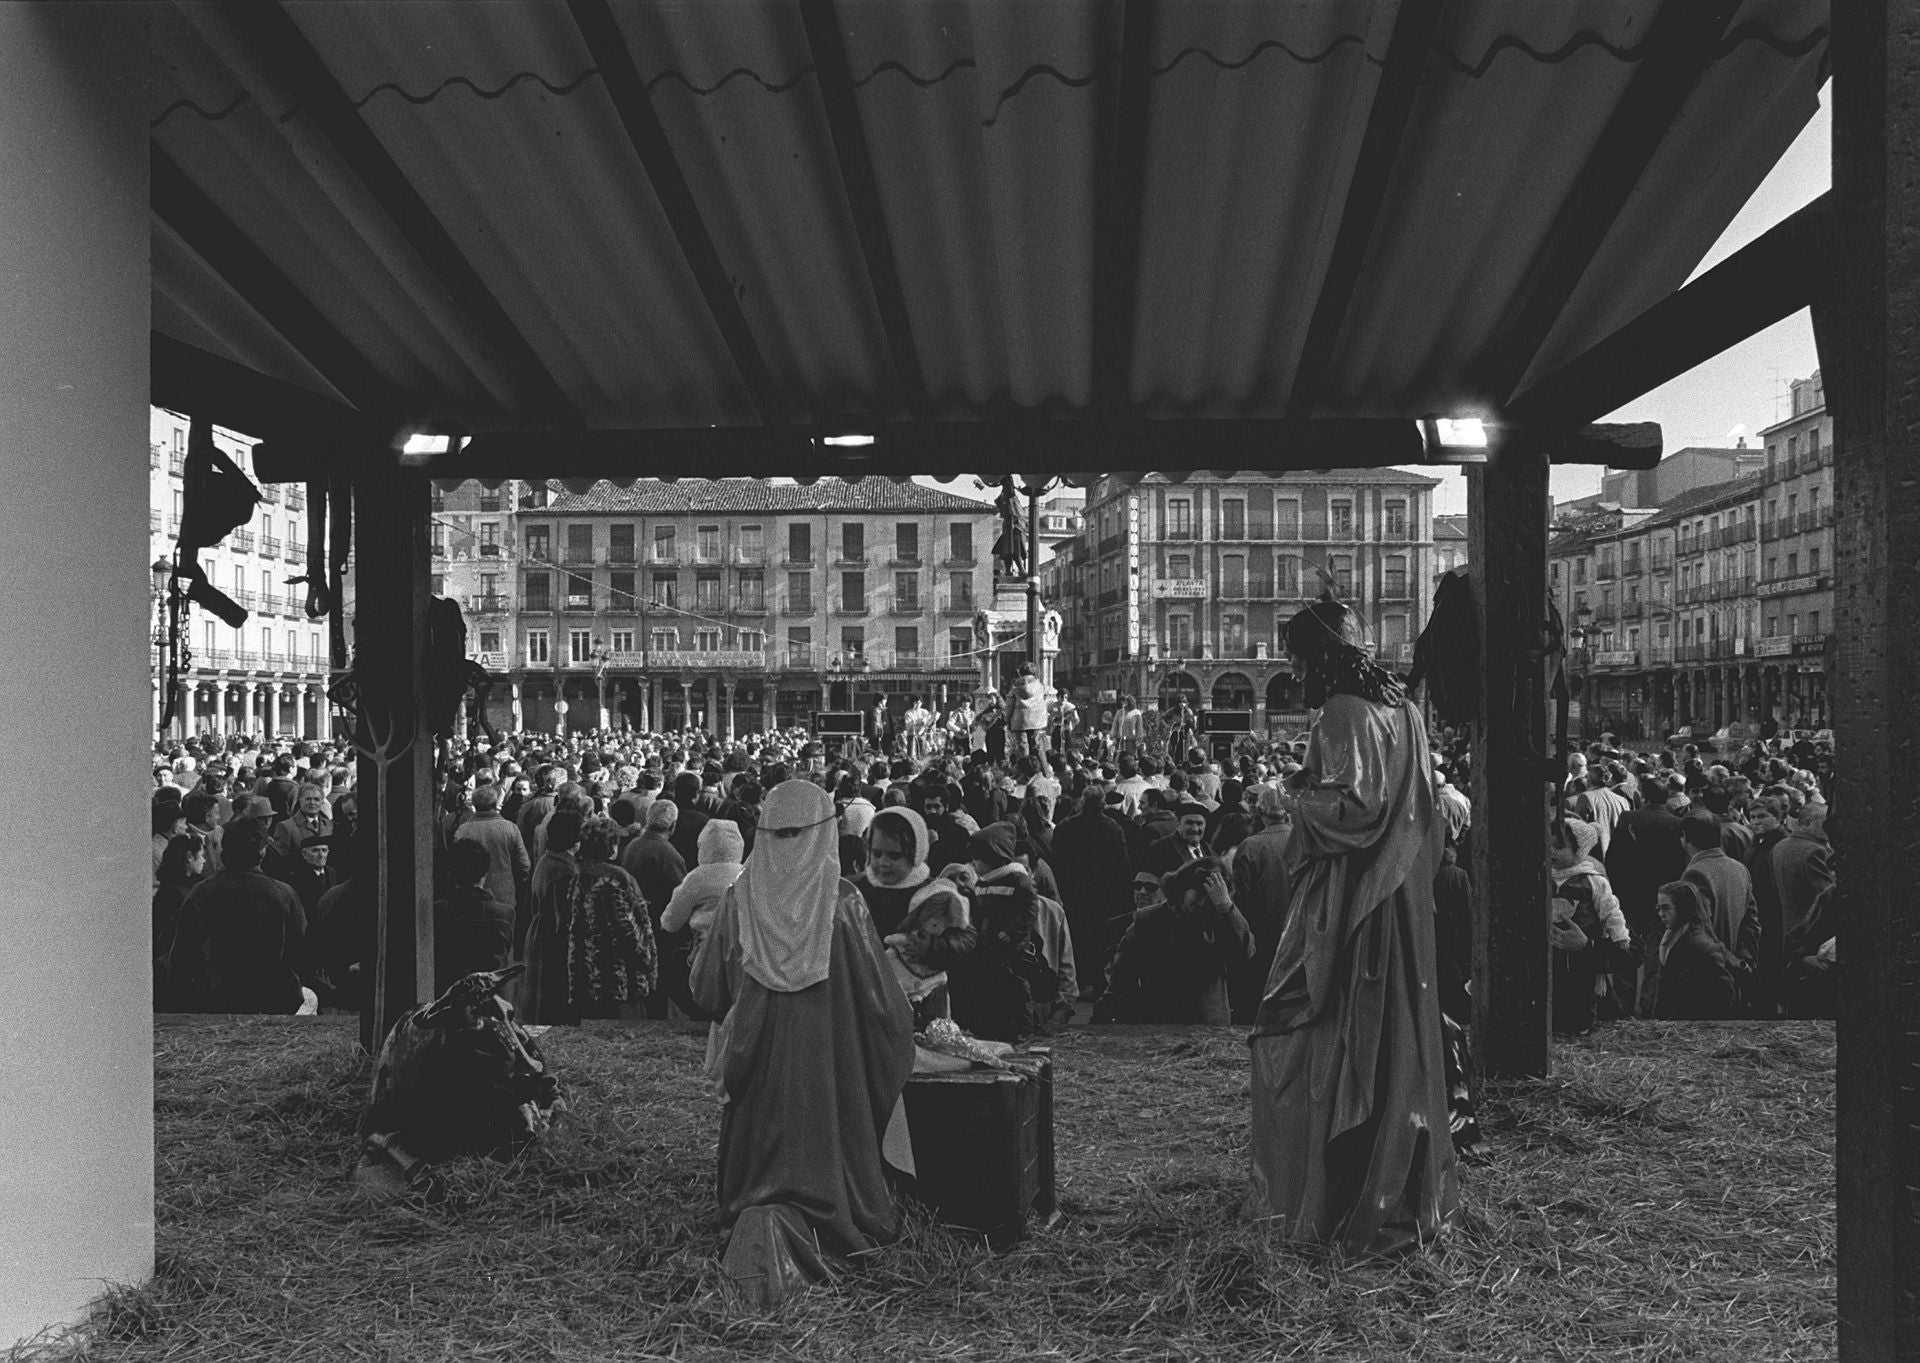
x,y
1183,845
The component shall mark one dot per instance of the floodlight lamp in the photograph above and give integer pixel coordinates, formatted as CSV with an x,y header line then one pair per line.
x,y
423,443
1466,432
847,441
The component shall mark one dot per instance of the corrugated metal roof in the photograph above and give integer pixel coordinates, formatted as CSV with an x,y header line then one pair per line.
x,y
990,126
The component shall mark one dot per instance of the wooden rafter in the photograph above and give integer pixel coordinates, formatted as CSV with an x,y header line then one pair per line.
x,y
607,45
280,46
1413,29
1680,44
1772,277
835,78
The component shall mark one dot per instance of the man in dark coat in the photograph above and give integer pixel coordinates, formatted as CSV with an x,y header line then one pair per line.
x,y
686,828
1768,817
241,935
1647,852
1726,890
1167,854
1090,857
1261,888
508,866
1802,867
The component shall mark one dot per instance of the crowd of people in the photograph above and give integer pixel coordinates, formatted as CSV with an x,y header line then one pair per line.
x,y
1314,888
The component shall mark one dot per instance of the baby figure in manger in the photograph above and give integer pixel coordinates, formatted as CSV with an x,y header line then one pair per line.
x,y
937,908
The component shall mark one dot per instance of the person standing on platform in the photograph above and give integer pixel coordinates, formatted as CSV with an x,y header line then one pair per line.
x,y
816,1049
1027,718
1350,1114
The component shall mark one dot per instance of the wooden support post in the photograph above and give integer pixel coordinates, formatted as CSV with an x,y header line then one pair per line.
x,y
391,731
1870,351
1507,546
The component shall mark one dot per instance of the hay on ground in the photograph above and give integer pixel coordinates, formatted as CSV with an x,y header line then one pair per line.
x,y
1668,1193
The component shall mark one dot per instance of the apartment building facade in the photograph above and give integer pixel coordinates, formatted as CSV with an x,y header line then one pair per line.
x,y
267,676
1185,587
733,605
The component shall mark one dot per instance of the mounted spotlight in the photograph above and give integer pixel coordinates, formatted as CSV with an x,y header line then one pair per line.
x,y
847,441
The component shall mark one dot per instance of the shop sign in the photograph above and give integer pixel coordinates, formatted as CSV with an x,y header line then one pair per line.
x,y
1180,588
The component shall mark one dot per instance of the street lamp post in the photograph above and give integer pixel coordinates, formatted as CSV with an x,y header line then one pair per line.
x,y
601,656
1583,639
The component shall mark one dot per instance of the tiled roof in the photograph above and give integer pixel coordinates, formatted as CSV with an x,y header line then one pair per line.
x,y
650,496
1702,498
1449,527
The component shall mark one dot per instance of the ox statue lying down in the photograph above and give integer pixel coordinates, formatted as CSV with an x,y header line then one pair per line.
x,y
457,1076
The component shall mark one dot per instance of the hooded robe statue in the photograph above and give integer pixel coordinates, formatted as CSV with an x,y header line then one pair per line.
x,y
818,1048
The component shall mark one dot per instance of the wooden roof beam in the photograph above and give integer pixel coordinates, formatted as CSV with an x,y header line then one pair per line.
x,y
940,448
1680,43
185,378
1120,193
835,77
607,46
1772,277
279,45
1413,30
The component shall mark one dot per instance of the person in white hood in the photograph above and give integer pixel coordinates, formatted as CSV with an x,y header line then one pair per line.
x,y
698,897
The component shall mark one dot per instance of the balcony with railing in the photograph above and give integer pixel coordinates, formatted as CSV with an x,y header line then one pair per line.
x,y
241,541
1661,562
270,546
959,560
708,660
296,497
1608,571
269,493
748,558
177,463
852,557
1633,610
294,551
845,607
217,658
246,660
245,597
952,603
156,455
271,603
487,603
153,521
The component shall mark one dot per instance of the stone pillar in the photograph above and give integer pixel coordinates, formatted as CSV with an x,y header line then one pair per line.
x,y
249,708
75,337
220,706
270,709
322,714
686,702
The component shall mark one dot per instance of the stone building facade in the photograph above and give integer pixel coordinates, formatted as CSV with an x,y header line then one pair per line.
x,y
1716,608
1185,587
269,675
730,605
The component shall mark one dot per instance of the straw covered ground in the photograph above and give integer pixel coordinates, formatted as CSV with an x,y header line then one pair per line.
x,y
1667,1194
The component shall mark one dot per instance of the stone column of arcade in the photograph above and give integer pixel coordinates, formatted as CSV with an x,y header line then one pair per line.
x,y
77,1124
727,733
